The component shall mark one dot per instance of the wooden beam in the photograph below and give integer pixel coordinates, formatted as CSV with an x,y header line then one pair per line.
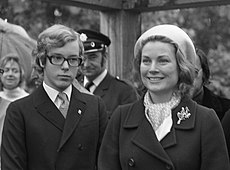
x,y
123,28
100,5
157,5
139,5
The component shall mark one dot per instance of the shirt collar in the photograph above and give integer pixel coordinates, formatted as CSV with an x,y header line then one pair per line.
x,y
52,93
98,79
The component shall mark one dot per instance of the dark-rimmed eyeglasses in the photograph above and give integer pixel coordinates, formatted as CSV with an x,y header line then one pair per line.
x,y
59,60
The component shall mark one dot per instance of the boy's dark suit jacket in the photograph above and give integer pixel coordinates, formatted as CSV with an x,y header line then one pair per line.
x,y
197,143
37,137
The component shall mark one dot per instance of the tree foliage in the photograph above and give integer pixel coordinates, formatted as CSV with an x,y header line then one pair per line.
x,y
35,16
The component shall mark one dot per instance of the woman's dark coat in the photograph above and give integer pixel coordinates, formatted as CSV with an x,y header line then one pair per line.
x,y
197,143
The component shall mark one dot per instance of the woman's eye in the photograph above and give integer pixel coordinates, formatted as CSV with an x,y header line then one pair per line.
x,y
163,61
146,61
15,70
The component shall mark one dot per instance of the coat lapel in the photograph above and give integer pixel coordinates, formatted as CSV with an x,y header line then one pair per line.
x,y
75,112
170,139
47,109
145,137
103,86
188,123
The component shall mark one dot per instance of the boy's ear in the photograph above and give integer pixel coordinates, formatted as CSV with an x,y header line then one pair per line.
x,y
41,63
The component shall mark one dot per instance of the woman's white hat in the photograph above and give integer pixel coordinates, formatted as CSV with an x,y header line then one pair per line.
x,y
176,34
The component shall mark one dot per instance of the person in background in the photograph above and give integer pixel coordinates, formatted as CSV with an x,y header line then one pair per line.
x,y
3,106
56,127
201,94
96,77
165,129
12,80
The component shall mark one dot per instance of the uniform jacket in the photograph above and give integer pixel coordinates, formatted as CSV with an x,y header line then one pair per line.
x,y
115,92
197,143
37,137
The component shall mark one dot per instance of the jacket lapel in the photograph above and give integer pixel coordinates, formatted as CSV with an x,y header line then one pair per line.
x,y
103,86
47,109
145,137
187,123
75,112
170,139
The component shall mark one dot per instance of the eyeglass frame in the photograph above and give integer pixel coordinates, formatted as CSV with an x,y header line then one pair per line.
x,y
80,59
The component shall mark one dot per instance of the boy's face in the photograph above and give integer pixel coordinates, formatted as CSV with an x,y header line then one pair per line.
x,y
60,77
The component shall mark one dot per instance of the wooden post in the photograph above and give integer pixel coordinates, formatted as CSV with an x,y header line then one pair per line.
x,y
123,28
3,9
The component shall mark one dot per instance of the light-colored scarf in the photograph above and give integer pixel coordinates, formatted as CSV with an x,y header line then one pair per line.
x,y
159,115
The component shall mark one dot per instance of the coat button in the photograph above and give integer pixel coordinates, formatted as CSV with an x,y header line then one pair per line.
x,y
131,162
168,167
80,147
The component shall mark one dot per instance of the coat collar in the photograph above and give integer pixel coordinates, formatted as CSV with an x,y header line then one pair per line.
x,y
103,86
145,137
48,110
136,115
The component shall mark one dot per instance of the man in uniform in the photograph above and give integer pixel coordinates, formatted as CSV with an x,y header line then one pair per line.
x,y
96,77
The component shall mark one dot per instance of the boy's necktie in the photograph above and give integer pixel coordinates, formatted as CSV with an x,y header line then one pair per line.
x,y
64,103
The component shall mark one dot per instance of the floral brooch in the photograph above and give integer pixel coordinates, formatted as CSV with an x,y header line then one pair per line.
x,y
183,114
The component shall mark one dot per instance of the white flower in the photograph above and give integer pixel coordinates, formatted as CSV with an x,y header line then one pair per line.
x,y
83,37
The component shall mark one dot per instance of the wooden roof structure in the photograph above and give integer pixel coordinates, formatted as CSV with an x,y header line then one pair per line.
x,y
121,21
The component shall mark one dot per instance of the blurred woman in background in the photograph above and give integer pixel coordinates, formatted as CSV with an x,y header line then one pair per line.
x,y
3,106
165,129
12,80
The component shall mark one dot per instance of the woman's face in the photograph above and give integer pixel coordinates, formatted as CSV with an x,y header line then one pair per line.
x,y
11,76
158,68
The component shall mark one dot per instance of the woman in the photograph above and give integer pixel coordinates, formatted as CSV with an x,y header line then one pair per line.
x,y
165,129
12,78
3,106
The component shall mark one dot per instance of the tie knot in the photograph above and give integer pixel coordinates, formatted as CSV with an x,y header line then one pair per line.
x,y
64,98
88,85
64,103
